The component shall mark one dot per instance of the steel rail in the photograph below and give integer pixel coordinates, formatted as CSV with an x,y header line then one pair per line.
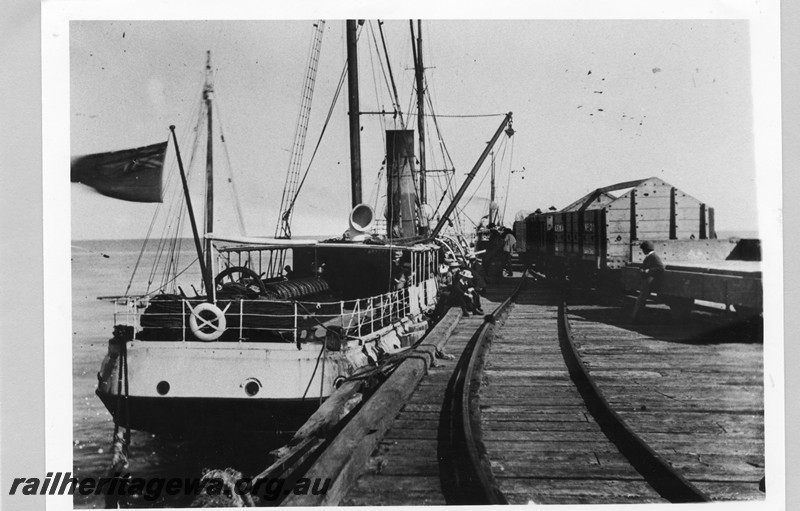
x,y
670,484
465,468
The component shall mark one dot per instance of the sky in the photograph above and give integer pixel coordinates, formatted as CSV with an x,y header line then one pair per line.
x,y
594,103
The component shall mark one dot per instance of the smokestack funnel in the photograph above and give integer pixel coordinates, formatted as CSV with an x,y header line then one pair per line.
x,y
400,192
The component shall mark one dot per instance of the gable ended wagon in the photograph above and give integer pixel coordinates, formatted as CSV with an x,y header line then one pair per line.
x,y
596,239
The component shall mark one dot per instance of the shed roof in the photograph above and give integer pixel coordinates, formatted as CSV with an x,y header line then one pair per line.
x,y
597,202
648,183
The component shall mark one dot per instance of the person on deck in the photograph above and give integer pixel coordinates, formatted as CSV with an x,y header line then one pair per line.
x,y
476,297
447,271
443,279
478,275
483,234
288,274
463,294
651,272
398,275
493,257
509,245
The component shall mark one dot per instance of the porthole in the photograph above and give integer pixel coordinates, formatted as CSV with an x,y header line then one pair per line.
x,y
252,387
162,388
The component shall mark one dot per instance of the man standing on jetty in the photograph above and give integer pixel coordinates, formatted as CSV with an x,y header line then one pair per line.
x,y
509,245
651,272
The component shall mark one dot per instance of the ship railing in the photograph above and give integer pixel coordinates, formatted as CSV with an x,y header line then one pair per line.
x,y
279,320
128,310
364,317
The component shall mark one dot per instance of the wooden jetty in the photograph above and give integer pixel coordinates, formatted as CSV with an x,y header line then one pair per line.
x,y
566,405
693,391
405,466
543,443
410,442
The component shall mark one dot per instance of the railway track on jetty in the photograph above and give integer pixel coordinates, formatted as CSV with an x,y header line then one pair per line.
x,y
391,454
580,406
547,403
690,391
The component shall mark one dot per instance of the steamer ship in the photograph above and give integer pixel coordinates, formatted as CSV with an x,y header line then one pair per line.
x,y
279,323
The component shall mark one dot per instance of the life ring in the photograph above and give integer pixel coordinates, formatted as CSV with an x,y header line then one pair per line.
x,y
208,327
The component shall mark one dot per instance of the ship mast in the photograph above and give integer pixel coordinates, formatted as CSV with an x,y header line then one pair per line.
x,y
204,270
354,113
208,91
492,204
418,72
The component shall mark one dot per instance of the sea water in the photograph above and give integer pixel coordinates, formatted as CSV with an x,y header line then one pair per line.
x,y
104,268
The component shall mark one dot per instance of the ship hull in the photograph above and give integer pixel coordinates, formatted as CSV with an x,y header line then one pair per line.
x,y
187,388
202,416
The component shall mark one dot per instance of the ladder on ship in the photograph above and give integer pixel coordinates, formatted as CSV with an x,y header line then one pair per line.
x,y
283,228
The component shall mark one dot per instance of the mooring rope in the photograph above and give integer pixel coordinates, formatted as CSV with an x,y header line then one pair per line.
x,y
121,440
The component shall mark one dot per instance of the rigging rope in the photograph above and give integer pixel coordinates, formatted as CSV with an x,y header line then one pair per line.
x,y
486,173
319,141
169,192
324,127
144,244
446,157
463,116
283,227
462,208
508,180
375,81
390,86
382,120
169,242
236,202
498,193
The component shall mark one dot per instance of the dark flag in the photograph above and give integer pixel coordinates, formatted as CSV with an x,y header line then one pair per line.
x,y
130,174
